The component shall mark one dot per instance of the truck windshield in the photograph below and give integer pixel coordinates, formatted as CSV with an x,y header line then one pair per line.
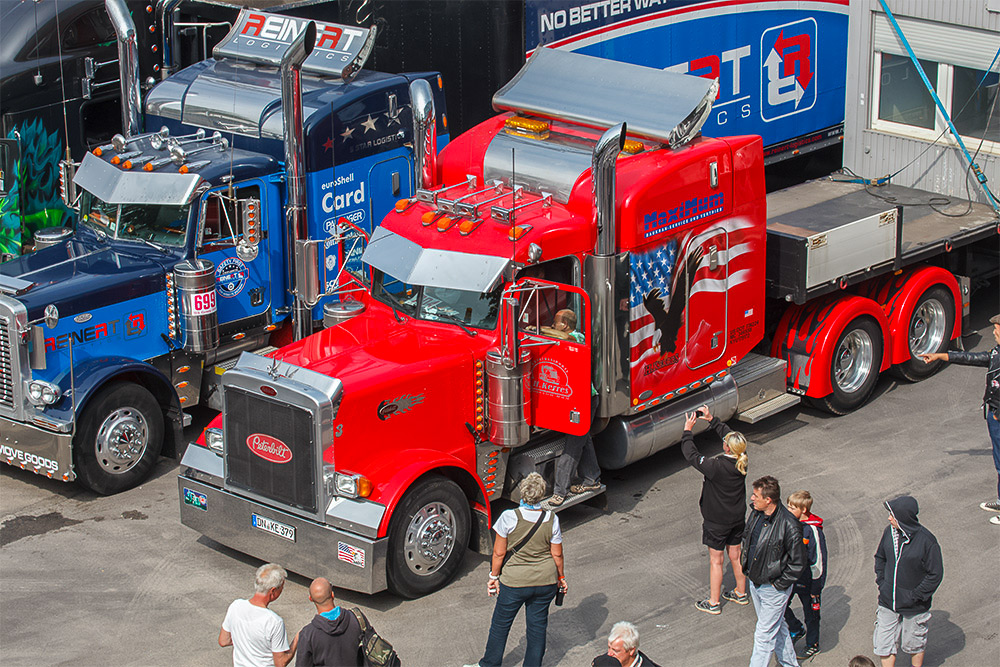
x,y
159,224
438,304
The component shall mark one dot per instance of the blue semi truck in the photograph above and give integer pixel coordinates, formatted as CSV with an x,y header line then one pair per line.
x,y
221,226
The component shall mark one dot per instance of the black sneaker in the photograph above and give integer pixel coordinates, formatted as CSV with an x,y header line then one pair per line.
x,y
733,596
809,652
796,634
990,506
708,607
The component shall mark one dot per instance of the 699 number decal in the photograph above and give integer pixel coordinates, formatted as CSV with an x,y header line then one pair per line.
x,y
200,304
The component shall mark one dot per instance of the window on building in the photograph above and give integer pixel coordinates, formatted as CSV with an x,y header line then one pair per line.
x,y
901,103
904,97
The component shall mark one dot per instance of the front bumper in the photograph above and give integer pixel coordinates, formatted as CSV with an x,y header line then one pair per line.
x,y
36,449
347,559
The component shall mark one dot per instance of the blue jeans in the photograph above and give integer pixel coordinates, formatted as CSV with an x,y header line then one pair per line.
x,y
771,634
993,426
535,600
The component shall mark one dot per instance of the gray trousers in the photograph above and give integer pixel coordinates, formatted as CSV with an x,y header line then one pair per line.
x,y
579,458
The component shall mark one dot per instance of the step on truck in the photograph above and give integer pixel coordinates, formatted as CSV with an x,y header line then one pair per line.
x,y
371,451
209,234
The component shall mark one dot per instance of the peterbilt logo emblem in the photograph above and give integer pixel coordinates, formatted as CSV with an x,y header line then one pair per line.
x,y
268,448
404,403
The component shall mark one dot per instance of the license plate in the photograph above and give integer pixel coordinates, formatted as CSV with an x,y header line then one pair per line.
x,y
273,527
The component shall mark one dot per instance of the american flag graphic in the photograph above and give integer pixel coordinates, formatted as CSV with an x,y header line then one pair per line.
x,y
652,269
349,554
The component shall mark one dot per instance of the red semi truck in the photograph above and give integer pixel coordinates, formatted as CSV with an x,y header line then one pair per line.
x,y
370,452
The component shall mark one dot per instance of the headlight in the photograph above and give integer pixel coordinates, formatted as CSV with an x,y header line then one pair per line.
x,y
43,393
353,486
214,440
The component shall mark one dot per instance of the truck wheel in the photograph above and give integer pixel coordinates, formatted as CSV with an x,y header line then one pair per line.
x,y
428,536
119,441
931,324
855,366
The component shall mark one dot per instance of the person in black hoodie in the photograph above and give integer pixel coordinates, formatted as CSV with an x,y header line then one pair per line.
x,y
333,637
723,506
908,569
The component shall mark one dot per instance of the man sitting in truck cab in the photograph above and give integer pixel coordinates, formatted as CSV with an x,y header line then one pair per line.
x,y
564,326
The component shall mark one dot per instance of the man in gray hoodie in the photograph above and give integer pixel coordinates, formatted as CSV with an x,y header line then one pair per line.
x,y
333,638
908,569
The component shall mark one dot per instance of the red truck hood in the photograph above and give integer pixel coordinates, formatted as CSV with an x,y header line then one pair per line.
x,y
408,385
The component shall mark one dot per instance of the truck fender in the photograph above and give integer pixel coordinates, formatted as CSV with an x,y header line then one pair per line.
x,y
93,374
424,461
898,296
807,334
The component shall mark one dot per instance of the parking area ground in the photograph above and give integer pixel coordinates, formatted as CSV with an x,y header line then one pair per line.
x,y
89,580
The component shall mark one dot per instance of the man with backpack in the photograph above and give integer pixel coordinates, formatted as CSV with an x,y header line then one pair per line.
x,y
333,637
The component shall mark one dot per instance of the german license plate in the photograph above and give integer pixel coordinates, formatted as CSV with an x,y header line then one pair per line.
x,y
273,527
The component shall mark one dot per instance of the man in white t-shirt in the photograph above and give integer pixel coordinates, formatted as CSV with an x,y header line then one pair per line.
x,y
256,633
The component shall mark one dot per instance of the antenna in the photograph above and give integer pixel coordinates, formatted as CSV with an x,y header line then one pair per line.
x,y
513,206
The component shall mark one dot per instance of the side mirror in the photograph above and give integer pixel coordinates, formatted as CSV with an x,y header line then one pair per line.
x,y
36,350
9,155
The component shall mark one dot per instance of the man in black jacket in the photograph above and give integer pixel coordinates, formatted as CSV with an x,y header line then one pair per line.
x,y
333,638
908,569
991,399
772,560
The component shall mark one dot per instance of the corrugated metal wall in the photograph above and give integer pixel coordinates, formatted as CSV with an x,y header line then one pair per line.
x,y
869,153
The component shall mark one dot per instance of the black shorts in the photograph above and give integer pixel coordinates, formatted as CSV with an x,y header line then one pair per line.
x,y
717,536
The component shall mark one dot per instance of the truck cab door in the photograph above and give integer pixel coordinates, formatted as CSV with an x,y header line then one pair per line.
x,y
561,383
388,182
233,237
707,281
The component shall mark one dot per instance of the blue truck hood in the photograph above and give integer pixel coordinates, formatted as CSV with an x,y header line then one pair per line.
x,y
80,275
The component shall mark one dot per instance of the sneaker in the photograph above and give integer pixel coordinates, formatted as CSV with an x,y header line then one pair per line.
x,y
995,520
796,634
809,652
708,607
472,665
991,506
733,596
555,500
585,488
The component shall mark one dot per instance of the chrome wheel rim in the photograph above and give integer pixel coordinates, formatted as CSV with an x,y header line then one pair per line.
x,y
927,327
853,361
122,440
430,538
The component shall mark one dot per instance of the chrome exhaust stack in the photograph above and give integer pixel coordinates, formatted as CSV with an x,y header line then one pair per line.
x,y
305,277
424,133
600,278
128,66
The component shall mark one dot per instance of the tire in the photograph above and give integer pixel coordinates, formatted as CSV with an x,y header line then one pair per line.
x,y
855,367
119,441
929,330
435,512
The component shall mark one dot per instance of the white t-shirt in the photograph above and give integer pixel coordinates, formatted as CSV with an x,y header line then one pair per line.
x,y
257,633
508,519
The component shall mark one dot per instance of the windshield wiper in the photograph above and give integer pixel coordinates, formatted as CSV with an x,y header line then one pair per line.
x,y
394,304
456,320
151,244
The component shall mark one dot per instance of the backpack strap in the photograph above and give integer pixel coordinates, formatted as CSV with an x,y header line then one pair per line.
x,y
362,621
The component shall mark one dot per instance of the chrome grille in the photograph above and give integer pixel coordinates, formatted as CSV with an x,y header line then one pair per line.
x,y
6,365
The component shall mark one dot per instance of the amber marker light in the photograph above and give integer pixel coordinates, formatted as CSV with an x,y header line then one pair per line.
x,y
632,147
427,218
401,205
517,232
365,487
527,127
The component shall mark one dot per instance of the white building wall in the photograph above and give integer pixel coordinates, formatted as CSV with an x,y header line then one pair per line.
x,y
955,32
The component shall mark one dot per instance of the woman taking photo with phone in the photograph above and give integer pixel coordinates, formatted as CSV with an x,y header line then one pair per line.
x,y
527,570
723,506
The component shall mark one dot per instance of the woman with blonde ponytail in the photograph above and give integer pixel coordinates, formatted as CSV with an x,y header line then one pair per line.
x,y
723,506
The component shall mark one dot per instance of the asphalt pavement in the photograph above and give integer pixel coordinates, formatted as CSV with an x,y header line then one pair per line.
x,y
90,580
